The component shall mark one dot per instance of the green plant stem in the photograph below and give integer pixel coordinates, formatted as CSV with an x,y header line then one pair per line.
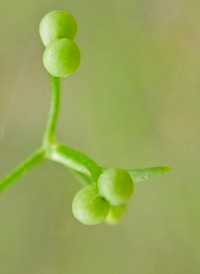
x,y
26,165
49,136
81,177
84,168
75,161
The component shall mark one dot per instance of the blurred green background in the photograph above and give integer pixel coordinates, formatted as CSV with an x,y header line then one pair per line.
x,y
133,103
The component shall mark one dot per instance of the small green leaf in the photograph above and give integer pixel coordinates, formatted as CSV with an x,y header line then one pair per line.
x,y
139,175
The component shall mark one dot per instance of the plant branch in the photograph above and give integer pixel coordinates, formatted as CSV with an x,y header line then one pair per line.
x,y
26,165
74,160
53,110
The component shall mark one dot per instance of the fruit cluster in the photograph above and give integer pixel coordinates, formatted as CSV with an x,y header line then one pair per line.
x,y
105,200
108,190
62,56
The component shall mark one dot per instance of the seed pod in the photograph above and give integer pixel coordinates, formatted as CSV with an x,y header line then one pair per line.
x,y
88,207
57,24
61,58
115,185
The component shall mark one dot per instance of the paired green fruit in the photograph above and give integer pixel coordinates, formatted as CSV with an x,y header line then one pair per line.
x,y
116,186
92,205
88,207
61,58
57,24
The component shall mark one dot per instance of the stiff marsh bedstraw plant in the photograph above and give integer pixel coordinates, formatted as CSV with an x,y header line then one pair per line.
x,y
106,190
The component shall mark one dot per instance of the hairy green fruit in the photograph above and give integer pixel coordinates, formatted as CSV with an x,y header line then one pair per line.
x,y
88,207
115,185
57,24
115,214
61,58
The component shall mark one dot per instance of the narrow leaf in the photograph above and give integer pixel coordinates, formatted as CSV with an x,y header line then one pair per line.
x,y
139,175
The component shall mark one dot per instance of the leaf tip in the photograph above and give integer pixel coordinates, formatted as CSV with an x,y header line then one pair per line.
x,y
167,169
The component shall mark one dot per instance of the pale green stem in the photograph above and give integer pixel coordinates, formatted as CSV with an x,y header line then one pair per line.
x,y
74,160
82,166
26,165
39,155
71,158
49,135
79,164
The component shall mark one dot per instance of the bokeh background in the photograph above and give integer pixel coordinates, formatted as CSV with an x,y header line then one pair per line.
x,y
133,103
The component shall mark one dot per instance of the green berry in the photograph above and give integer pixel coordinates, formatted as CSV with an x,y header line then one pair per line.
x,y
115,214
115,185
88,207
61,58
57,24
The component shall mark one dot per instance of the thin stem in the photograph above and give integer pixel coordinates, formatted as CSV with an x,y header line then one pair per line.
x,y
53,110
81,177
26,165
74,160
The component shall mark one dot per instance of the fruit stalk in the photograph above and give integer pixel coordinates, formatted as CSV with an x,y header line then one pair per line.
x,y
49,135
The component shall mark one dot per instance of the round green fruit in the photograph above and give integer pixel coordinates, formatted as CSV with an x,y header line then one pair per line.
x,y
88,207
115,214
115,185
57,24
61,58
